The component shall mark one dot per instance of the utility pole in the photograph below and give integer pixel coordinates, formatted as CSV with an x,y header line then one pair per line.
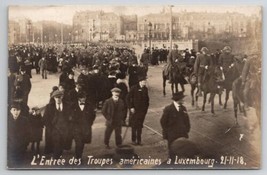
x,y
101,13
171,28
61,33
33,34
42,33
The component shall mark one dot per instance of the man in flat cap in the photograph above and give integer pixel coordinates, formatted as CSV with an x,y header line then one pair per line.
x,y
56,120
138,101
113,111
175,121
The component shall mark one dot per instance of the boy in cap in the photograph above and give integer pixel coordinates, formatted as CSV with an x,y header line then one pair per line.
x,y
138,102
18,135
113,111
37,129
175,120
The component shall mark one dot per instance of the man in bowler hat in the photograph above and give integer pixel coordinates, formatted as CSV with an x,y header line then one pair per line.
x,y
175,121
83,117
138,101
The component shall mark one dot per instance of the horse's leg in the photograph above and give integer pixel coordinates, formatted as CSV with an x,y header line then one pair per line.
x,y
192,94
240,108
197,107
235,110
182,86
212,95
226,98
176,87
164,85
172,88
209,99
220,99
204,101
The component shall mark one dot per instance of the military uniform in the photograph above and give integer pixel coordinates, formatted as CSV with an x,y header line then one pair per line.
x,y
201,63
173,57
226,60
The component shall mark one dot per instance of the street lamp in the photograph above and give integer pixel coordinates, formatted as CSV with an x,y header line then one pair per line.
x,y
171,6
149,35
14,36
55,38
70,37
77,34
28,27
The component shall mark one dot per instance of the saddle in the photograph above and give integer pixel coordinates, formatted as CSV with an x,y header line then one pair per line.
x,y
167,70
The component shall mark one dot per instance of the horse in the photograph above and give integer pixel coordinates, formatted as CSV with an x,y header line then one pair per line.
x,y
254,96
193,83
177,73
231,74
213,79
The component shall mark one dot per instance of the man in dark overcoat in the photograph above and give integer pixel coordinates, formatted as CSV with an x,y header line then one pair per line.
x,y
18,136
73,94
56,120
113,111
83,79
175,120
145,59
83,116
138,101
23,83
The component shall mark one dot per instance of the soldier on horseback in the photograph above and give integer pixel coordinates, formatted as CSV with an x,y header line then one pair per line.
x,y
202,64
226,59
248,77
173,57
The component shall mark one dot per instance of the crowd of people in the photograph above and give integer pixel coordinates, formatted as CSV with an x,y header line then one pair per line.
x,y
71,110
110,78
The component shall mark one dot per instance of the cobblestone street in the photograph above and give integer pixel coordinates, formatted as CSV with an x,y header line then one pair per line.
x,y
208,131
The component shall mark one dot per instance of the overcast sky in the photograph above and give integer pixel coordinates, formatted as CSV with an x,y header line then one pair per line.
x,y
65,13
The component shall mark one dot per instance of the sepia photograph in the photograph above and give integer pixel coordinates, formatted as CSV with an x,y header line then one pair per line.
x,y
134,87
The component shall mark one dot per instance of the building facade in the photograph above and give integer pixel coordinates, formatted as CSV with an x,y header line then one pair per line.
x,y
108,26
96,25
